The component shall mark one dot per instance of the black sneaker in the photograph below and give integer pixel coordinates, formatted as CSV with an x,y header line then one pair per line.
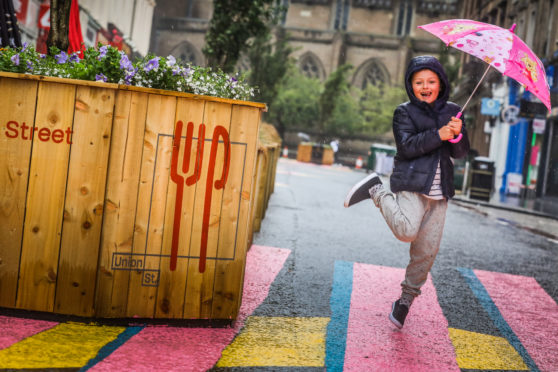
x,y
360,191
398,314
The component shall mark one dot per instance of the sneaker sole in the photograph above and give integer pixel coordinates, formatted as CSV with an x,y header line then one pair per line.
x,y
356,187
392,319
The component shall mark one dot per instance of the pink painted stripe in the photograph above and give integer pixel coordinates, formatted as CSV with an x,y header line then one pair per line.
x,y
14,330
197,349
530,312
375,344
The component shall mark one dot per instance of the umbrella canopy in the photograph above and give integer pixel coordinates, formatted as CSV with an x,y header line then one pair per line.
x,y
499,47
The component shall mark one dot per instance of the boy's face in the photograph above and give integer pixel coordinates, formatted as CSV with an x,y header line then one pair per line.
x,y
426,85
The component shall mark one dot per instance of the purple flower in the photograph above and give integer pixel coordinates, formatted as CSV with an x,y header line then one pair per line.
x,y
25,46
186,72
15,59
101,77
30,66
125,63
61,58
152,64
103,52
171,61
74,58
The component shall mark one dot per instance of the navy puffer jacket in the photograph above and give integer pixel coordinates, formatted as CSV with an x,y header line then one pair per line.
x,y
419,147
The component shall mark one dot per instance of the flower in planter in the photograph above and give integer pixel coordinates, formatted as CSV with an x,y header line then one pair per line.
x,y
61,58
108,64
101,77
15,59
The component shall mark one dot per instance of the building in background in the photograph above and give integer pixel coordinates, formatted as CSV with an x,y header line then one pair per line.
x,y
377,37
125,24
522,139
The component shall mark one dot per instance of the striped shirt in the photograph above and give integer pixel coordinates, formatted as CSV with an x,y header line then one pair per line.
x,y
436,188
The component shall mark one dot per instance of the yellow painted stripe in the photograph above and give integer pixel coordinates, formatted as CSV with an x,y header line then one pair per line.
x,y
278,342
479,351
68,345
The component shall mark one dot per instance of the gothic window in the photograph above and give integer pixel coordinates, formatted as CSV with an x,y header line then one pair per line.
x,y
373,76
405,17
435,8
310,66
371,72
373,4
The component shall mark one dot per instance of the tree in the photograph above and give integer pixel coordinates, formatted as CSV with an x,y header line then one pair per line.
x,y
451,68
269,63
234,22
377,105
297,103
59,24
335,89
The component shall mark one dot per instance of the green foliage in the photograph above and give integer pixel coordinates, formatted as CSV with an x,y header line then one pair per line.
x,y
346,117
336,86
269,63
451,68
233,23
377,105
297,102
111,65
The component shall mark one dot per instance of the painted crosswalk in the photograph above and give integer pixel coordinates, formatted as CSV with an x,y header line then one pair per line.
x,y
355,336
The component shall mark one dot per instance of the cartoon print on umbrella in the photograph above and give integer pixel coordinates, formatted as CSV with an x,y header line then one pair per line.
x,y
500,48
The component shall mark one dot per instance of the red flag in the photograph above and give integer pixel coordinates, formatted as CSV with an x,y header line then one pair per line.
x,y
74,35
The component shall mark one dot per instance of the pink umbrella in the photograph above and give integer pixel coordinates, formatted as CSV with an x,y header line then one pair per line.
x,y
499,48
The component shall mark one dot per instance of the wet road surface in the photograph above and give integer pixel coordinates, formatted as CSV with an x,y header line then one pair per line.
x,y
319,285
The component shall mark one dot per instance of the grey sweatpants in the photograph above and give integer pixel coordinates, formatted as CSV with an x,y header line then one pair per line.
x,y
419,220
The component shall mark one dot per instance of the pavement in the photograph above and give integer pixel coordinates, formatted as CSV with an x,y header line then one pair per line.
x,y
540,216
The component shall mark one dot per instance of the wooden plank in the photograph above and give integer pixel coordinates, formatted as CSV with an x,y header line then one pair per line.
x,y
261,182
132,88
17,111
192,96
120,203
152,196
85,195
199,289
45,198
234,233
172,284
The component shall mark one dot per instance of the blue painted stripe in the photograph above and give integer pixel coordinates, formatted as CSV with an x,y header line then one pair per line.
x,y
340,304
490,307
109,348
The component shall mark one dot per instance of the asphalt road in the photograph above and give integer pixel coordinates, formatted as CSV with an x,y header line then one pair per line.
x,y
306,215
319,284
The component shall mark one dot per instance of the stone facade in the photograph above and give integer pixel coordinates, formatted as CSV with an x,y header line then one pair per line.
x,y
377,37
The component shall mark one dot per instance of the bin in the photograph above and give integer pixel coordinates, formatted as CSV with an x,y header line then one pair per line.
x,y
380,158
482,178
127,201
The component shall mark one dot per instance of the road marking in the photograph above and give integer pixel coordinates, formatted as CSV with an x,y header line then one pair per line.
x,y
197,349
17,329
529,311
278,342
479,351
494,313
67,345
375,344
340,303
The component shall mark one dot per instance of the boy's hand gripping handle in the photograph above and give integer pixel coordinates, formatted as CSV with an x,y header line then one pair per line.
x,y
458,138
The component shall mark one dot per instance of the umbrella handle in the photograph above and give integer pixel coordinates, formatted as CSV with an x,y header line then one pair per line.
x,y
455,140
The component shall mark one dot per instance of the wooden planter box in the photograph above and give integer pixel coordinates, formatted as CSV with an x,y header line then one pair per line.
x,y
269,148
307,153
119,201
